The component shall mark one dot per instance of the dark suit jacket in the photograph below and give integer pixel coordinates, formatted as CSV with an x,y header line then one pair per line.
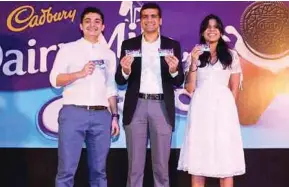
x,y
168,82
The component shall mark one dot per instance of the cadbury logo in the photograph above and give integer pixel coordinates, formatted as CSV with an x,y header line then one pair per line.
x,y
24,17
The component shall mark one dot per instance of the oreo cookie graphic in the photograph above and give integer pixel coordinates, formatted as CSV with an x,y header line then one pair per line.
x,y
265,29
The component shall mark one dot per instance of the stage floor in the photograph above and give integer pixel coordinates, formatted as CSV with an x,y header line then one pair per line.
x,y
37,168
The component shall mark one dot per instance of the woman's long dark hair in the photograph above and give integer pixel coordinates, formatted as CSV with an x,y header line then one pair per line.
x,y
223,52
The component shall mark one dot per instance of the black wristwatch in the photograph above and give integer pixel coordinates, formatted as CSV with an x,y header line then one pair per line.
x,y
115,116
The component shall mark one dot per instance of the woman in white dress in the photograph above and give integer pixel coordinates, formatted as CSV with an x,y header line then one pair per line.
x,y
212,144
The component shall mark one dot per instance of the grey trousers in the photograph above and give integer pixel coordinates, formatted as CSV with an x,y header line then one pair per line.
x,y
150,118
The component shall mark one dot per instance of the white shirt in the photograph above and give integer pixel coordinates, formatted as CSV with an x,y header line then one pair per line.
x,y
93,89
151,80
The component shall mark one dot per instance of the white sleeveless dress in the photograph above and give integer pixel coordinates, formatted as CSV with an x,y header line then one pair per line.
x,y
212,144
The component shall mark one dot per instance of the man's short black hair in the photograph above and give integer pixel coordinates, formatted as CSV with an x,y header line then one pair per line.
x,y
88,10
151,6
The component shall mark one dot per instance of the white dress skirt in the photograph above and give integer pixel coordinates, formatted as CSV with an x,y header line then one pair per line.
x,y
212,144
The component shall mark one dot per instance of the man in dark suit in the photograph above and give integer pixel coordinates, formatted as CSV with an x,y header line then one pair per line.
x,y
151,66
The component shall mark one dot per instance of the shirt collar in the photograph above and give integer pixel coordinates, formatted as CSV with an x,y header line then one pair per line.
x,y
157,41
88,43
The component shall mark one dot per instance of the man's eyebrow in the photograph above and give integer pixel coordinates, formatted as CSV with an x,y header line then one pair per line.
x,y
96,19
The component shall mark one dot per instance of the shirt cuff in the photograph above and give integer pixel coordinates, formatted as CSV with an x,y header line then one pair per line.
x,y
53,77
124,75
174,74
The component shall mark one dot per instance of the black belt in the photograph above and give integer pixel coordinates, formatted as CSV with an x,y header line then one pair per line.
x,y
151,96
92,107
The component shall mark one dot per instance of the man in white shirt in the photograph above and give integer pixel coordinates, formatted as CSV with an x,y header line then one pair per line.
x,y
86,68
150,66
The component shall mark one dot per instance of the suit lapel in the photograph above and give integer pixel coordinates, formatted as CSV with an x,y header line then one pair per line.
x,y
138,42
137,60
164,65
163,46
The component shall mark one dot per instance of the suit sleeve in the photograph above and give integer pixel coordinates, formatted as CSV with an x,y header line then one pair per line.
x,y
119,78
179,79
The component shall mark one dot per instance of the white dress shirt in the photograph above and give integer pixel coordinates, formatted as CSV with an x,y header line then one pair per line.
x,y
93,89
151,80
